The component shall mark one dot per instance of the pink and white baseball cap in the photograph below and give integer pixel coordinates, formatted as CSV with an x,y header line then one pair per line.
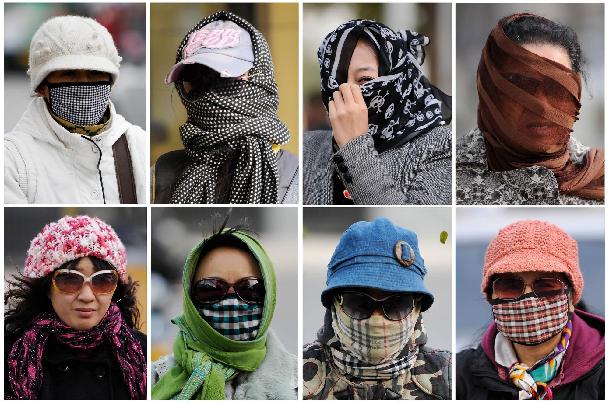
x,y
220,45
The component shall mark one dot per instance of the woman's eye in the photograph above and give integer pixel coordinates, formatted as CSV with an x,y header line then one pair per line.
x,y
364,79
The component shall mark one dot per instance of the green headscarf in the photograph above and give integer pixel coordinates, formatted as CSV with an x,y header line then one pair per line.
x,y
205,359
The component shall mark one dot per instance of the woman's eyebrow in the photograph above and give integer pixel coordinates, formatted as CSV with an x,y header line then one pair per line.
x,y
364,68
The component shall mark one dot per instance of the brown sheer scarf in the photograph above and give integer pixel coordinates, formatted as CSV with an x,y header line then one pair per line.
x,y
528,105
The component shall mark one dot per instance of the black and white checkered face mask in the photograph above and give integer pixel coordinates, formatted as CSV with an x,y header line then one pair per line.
x,y
80,103
233,318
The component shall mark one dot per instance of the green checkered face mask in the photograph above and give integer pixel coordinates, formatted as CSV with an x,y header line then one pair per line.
x,y
232,317
376,339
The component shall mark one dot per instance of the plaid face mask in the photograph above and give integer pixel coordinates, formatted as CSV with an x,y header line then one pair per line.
x,y
376,339
80,103
233,318
532,320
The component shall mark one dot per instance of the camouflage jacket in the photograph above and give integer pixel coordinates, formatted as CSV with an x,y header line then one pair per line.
x,y
536,185
429,379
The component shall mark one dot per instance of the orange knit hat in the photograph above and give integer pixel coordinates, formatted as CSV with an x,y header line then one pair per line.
x,y
533,245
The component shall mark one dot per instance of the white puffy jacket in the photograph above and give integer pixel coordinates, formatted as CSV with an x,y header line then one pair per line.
x,y
44,163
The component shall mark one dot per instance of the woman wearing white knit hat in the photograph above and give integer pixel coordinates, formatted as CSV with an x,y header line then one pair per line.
x,y
70,145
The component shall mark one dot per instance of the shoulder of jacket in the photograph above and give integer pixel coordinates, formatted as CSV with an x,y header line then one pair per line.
x,y
471,148
275,379
316,139
287,161
466,356
161,366
432,372
314,370
438,141
141,337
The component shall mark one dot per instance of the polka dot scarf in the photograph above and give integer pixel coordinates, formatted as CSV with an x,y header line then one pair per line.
x,y
25,371
234,122
401,102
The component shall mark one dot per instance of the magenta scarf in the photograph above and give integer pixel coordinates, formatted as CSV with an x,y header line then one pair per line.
x,y
25,359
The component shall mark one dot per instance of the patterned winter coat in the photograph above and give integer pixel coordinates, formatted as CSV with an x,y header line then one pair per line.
x,y
429,378
418,172
536,185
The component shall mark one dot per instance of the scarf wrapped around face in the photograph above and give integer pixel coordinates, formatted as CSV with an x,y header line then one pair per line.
x,y
234,122
25,358
349,362
528,105
401,102
206,359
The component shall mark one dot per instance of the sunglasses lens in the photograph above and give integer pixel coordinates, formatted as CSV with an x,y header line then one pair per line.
x,y
507,288
104,283
398,307
68,282
250,290
357,306
209,290
548,287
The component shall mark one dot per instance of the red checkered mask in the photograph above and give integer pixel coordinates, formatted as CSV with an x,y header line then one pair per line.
x,y
532,320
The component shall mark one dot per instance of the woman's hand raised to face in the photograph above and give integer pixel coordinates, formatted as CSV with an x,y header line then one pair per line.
x,y
348,114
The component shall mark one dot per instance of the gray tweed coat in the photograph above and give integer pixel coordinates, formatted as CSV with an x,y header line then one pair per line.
x,y
418,172
536,185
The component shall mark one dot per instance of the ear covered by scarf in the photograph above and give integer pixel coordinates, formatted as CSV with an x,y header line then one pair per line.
x,y
235,122
401,102
528,105
206,359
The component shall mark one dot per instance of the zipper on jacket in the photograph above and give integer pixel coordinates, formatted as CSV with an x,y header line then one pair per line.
x,y
101,180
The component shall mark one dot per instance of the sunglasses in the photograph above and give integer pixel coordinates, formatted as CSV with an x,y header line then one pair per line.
x,y
69,281
360,306
513,288
212,290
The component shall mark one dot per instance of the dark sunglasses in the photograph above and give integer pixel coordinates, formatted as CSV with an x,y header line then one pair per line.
x,y
212,290
69,281
360,306
513,288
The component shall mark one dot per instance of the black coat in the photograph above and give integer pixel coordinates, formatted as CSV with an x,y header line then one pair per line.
x,y
478,379
69,376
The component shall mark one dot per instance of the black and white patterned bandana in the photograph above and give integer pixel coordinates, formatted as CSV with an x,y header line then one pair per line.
x,y
80,103
401,101
233,318
240,115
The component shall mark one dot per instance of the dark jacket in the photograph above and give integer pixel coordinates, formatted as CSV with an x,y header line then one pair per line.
x,y
169,166
69,376
582,374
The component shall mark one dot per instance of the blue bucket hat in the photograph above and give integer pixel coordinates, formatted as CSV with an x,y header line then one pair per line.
x,y
377,255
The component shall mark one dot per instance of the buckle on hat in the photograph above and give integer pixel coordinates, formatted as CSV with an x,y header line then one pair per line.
x,y
398,251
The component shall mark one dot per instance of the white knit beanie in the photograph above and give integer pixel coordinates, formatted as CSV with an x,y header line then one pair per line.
x,y
71,43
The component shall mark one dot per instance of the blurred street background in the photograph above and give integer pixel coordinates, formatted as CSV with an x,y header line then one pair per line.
x,y
278,22
323,228
175,231
21,225
126,22
476,227
430,19
476,21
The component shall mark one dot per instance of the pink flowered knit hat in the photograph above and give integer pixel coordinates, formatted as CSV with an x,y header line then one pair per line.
x,y
74,237
533,245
